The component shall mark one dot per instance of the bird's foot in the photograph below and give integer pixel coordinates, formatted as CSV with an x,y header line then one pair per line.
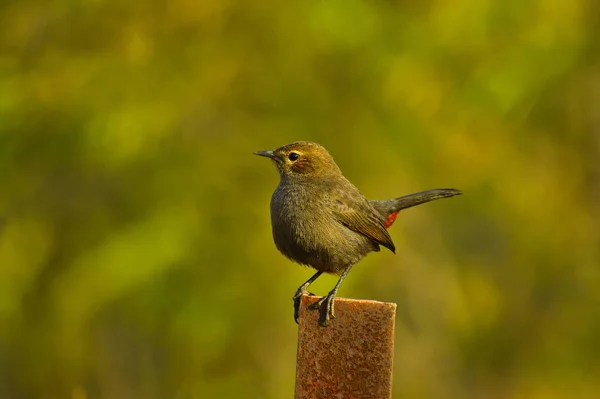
x,y
326,309
302,291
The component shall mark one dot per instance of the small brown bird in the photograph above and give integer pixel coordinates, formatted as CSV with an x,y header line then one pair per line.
x,y
320,219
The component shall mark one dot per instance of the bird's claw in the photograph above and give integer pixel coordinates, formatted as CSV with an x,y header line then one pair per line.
x,y
326,309
302,291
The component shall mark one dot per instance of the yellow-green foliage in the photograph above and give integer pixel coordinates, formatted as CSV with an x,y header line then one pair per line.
x,y
136,258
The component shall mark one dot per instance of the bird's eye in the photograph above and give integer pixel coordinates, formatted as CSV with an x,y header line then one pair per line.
x,y
292,156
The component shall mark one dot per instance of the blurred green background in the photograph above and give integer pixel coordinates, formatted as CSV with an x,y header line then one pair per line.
x,y
136,258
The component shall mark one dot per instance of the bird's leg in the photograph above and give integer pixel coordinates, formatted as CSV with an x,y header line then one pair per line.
x,y
302,290
325,304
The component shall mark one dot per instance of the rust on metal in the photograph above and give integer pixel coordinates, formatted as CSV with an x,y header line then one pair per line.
x,y
352,356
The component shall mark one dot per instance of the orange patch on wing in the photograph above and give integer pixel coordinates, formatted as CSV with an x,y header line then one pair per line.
x,y
391,219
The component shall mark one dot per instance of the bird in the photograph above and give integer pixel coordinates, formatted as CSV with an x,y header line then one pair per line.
x,y
320,219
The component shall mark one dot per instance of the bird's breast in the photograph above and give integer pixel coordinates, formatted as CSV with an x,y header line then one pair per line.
x,y
305,230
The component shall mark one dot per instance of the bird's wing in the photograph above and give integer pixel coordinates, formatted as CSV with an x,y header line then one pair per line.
x,y
359,216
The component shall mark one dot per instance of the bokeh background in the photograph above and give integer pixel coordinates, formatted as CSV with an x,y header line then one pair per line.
x,y
136,258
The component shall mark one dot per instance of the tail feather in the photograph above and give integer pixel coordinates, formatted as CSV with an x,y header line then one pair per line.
x,y
393,206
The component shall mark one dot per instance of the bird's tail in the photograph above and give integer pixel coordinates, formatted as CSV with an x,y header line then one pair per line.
x,y
410,200
390,208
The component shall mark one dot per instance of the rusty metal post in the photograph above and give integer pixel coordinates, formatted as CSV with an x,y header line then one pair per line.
x,y
350,358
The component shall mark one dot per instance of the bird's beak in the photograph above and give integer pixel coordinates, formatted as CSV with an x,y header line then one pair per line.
x,y
268,154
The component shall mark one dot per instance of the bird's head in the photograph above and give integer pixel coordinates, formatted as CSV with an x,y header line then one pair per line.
x,y
300,159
